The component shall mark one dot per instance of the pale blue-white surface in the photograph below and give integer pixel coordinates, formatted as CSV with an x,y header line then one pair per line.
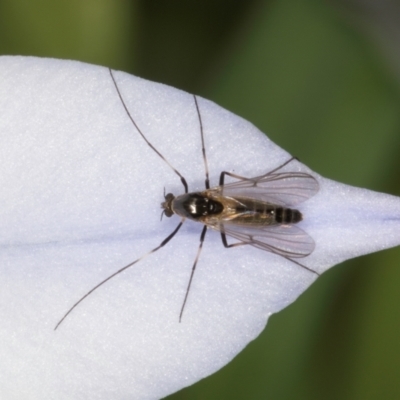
x,y
80,198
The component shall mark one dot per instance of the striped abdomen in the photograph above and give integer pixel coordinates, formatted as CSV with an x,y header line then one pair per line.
x,y
256,212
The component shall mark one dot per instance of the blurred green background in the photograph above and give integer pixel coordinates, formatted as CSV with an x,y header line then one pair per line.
x,y
322,79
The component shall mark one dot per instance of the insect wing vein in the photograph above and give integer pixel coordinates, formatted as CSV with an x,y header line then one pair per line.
x,y
286,189
286,240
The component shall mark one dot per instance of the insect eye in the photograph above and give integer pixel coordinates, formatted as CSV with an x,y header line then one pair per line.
x,y
168,213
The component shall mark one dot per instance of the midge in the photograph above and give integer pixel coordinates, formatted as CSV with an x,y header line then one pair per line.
x,y
256,211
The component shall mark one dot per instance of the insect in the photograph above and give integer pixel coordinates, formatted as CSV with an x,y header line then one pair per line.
x,y
256,211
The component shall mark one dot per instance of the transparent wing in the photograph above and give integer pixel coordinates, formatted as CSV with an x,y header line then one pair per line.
x,y
286,188
286,240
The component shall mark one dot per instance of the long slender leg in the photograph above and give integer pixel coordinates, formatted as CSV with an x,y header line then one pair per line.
x,y
203,147
228,246
223,173
183,180
225,242
203,234
163,243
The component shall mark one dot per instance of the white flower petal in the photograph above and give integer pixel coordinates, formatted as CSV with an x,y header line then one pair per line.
x,y
80,198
